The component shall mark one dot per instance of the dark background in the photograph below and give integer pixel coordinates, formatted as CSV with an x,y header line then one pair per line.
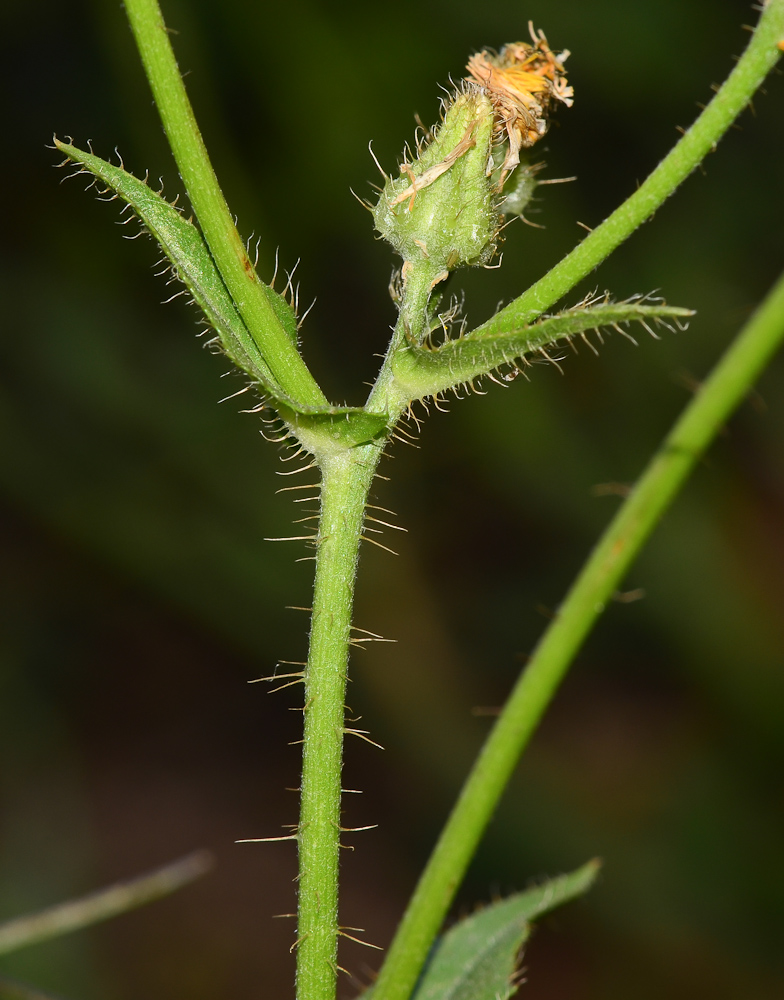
x,y
139,595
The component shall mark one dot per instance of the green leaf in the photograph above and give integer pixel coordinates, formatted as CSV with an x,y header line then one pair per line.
x,y
477,958
424,372
182,243
321,427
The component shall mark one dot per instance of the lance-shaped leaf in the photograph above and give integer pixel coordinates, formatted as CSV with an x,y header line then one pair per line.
x,y
420,371
183,245
478,958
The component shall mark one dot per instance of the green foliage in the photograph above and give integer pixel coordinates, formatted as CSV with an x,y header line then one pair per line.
x,y
479,957
192,264
425,372
440,214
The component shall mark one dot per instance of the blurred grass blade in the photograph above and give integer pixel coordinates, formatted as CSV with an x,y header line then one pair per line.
x,y
12,989
102,905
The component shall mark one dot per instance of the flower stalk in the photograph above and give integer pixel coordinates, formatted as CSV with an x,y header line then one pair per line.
x,y
346,480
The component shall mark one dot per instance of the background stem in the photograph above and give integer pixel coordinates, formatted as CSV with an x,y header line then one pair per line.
x,y
732,378
102,905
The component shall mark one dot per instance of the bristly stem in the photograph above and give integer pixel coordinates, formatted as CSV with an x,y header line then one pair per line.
x,y
212,212
346,479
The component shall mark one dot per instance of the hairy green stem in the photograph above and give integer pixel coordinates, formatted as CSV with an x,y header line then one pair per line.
x,y
346,479
732,378
388,394
215,220
345,484
732,97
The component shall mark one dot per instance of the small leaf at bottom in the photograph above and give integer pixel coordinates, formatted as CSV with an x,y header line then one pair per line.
x,y
477,958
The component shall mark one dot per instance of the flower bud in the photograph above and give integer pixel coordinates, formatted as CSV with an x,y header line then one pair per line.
x,y
441,209
442,212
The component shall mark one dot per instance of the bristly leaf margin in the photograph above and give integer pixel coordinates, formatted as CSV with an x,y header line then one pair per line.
x,y
192,263
478,958
423,371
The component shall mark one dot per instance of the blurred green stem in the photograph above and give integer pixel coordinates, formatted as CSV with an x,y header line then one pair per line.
x,y
629,530
101,905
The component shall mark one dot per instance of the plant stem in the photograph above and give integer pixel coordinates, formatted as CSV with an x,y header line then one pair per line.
x,y
102,905
346,479
732,97
732,378
217,225
388,395
345,484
